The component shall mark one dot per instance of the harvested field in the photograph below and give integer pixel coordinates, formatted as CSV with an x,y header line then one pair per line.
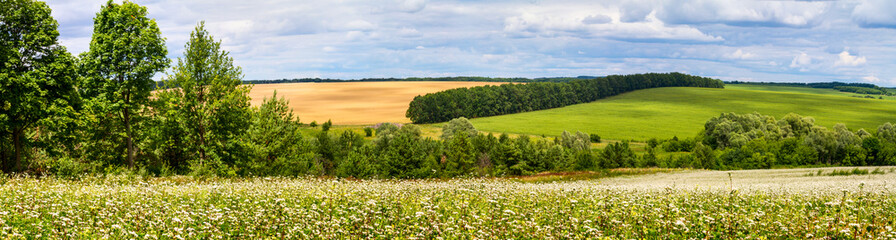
x,y
352,103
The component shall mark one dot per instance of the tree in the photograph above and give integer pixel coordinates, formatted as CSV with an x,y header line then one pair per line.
x,y
126,50
206,93
276,147
37,75
578,142
458,125
326,126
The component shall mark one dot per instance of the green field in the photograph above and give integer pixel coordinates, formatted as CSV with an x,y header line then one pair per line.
x,y
681,111
752,204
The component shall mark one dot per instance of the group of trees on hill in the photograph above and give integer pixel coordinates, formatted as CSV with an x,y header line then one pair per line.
x,y
860,88
492,100
747,141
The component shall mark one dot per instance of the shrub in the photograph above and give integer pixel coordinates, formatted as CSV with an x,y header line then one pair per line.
x,y
595,138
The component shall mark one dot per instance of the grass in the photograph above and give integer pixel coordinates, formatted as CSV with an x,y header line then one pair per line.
x,y
689,204
808,90
668,112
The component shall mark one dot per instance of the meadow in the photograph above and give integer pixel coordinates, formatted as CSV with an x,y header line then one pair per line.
x,y
682,112
352,103
675,205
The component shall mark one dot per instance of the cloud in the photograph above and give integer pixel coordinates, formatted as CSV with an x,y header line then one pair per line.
x,y
632,11
849,60
411,6
875,14
801,60
597,19
358,25
740,54
871,79
555,25
743,13
730,39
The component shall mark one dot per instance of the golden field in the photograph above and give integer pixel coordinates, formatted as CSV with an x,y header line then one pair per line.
x,y
352,103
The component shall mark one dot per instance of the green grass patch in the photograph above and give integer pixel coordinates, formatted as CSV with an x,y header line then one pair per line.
x,y
682,111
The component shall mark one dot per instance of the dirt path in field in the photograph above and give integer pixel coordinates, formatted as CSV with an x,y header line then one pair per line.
x,y
352,103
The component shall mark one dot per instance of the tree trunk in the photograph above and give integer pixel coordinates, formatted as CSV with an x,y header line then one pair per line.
x,y
17,144
127,125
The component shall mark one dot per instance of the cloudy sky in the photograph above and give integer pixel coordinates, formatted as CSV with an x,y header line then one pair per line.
x,y
780,41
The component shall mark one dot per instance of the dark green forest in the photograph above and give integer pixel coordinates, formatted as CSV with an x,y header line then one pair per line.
x,y
495,100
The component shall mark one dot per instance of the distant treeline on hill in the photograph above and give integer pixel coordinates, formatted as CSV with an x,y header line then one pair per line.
x,y
860,88
495,100
160,84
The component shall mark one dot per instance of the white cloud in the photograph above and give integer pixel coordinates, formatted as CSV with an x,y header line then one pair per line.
x,y
358,25
359,38
740,54
411,6
849,60
738,12
871,79
875,13
597,19
561,24
801,60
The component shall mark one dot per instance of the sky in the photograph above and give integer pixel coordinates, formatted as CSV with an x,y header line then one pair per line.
x,y
769,41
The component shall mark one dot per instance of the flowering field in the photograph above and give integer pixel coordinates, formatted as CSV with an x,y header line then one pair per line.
x,y
687,204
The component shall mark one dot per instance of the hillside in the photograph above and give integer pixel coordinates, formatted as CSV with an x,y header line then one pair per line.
x,y
680,111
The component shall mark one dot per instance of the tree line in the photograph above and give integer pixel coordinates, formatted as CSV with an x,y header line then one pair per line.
x,y
492,100
751,141
419,79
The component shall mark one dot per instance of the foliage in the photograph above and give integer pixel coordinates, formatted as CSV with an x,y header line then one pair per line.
x,y
274,144
862,90
37,82
126,50
459,125
205,104
759,141
503,99
617,154
594,138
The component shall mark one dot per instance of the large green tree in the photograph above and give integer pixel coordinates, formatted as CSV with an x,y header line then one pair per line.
x,y
36,77
206,94
126,50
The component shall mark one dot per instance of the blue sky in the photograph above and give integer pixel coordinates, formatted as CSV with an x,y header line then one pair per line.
x,y
775,41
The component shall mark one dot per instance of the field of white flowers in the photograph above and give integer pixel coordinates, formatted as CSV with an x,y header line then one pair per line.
x,y
688,204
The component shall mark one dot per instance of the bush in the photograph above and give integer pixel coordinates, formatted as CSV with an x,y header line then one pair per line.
x,y
595,138
368,132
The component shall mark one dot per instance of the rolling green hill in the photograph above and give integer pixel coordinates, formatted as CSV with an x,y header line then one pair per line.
x,y
682,111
